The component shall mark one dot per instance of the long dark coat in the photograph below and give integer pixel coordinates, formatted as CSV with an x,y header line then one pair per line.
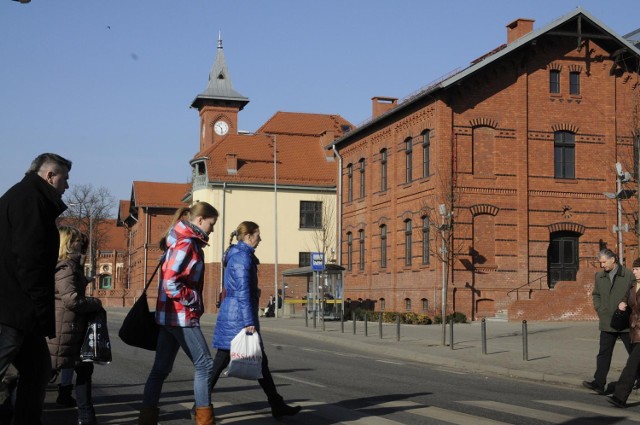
x,y
607,295
72,308
29,245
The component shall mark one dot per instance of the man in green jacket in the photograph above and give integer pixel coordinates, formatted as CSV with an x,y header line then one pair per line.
x,y
611,285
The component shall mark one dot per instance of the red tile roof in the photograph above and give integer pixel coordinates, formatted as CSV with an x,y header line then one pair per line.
x,y
153,194
301,157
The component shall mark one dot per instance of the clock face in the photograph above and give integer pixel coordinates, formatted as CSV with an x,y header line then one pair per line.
x,y
221,128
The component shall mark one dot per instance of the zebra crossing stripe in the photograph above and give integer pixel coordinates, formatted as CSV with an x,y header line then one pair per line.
x,y
554,418
604,409
437,413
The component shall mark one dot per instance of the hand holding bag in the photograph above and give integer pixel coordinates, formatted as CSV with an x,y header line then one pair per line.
x,y
246,356
139,328
620,319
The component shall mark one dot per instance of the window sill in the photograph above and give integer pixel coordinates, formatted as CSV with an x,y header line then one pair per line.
x,y
567,181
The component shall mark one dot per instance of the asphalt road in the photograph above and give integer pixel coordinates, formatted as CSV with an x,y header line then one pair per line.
x,y
338,385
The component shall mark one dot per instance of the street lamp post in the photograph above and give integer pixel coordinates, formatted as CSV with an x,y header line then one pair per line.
x,y
275,213
621,177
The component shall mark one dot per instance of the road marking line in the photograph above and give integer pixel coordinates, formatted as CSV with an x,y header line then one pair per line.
x,y
301,381
435,413
555,418
605,410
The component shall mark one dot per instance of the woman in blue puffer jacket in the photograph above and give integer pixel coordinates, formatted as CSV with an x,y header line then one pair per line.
x,y
239,310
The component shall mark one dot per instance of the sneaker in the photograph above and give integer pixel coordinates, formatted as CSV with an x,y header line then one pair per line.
x,y
593,386
617,402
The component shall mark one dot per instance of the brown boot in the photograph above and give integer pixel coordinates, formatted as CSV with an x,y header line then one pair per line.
x,y
204,416
148,415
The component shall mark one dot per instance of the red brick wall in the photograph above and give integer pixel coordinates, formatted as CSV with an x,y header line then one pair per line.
x,y
501,120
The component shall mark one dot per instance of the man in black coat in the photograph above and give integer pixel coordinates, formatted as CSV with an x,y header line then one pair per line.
x,y
28,256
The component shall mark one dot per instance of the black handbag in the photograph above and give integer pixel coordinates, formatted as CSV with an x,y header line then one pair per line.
x,y
139,328
620,319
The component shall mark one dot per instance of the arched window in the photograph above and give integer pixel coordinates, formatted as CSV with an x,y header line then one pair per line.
x,y
425,304
383,170
426,147
425,240
407,304
382,304
574,83
349,251
362,178
554,81
407,242
383,246
349,182
564,154
408,149
361,234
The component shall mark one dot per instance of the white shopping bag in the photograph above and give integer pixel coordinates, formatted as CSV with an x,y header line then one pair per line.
x,y
246,356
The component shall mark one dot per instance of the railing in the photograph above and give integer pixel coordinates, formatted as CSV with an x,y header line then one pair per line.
x,y
529,288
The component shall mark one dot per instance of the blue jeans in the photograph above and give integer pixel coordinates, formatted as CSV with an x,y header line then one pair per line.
x,y
192,341
30,355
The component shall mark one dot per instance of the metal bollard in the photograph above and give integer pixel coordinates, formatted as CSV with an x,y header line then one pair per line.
x,y
366,324
398,327
315,319
353,319
525,342
306,317
451,332
342,322
380,325
322,318
483,335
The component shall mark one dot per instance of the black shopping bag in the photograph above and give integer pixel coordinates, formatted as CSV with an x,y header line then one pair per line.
x,y
96,346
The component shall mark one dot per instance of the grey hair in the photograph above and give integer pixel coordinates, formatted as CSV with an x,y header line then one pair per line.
x,y
46,159
607,253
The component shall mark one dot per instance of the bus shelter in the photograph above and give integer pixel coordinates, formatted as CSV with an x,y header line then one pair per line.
x,y
324,290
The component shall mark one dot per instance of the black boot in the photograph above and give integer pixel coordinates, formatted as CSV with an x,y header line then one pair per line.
x,y
64,396
279,408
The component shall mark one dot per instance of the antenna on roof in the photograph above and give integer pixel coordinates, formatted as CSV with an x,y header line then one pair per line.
x,y
219,39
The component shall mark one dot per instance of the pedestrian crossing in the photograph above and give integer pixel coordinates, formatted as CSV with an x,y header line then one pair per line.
x,y
537,411
400,412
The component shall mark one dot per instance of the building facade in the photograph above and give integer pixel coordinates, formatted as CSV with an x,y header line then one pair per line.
x,y
483,193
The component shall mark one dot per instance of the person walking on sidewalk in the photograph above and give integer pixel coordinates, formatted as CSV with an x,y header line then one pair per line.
x,y
72,310
239,311
611,285
178,310
630,372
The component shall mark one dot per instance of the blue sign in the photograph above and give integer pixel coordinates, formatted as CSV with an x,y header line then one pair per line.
x,y
317,261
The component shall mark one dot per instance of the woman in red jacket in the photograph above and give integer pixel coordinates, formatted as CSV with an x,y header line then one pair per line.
x,y
178,310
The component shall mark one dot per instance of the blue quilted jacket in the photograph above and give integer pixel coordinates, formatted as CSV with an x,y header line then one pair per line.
x,y
239,308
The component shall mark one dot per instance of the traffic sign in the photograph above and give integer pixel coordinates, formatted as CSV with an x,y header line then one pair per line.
x,y
317,261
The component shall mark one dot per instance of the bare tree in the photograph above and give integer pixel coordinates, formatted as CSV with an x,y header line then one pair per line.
x,y
88,208
324,237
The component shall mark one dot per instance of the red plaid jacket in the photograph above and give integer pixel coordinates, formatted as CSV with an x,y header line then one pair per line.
x,y
182,278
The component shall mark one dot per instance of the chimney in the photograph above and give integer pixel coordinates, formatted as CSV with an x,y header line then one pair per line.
x,y
380,105
518,28
232,163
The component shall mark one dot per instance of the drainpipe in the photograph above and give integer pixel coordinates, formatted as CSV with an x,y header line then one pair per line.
x,y
146,245
224,233
339,215
339,222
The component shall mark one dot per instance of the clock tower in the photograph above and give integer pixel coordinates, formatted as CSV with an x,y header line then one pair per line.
x,y
219,104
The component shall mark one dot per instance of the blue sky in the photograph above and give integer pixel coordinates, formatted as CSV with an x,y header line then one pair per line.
x,y
108,84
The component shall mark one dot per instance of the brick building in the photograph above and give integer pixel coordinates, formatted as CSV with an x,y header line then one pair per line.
x,y
507,162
